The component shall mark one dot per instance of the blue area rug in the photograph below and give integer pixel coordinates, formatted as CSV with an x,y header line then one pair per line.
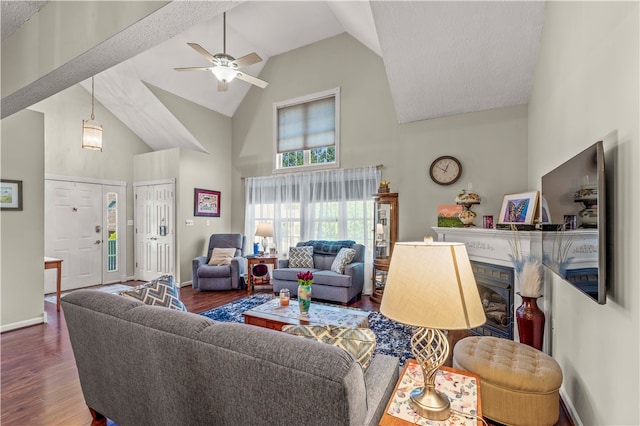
x,y
392,338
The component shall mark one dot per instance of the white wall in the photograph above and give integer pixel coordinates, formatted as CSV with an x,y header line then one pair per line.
x,y
586,89
491,144
63,153
22,232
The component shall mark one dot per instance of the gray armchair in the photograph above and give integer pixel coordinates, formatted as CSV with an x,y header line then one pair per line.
x,y
220,277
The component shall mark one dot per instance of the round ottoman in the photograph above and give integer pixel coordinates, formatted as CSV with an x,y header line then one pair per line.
x,y
519,384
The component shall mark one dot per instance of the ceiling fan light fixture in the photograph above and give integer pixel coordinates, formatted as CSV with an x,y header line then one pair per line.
x,y
224,74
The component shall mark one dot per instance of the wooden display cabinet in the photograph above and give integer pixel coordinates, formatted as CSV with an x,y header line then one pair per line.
x,y
385,235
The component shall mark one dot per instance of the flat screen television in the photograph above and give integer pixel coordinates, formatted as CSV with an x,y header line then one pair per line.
x,y
573,217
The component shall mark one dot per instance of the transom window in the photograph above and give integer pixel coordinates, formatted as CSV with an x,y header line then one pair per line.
x,y
307,131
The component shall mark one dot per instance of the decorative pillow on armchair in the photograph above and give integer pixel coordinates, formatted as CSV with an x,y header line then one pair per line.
x,y
160,292
301,257
222,256
343,258
359,342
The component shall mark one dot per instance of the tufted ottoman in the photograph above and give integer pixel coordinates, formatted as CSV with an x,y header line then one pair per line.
x,y
519,384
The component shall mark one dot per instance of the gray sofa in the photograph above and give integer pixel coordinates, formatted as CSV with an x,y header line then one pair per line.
x,y
327,285
148,365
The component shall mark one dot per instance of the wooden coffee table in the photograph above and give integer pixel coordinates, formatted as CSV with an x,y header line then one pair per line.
x,y
272,315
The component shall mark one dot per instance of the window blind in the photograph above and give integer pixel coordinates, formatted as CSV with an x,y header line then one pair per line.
x,y
307,126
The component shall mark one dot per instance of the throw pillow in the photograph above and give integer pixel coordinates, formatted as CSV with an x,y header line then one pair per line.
x,y
301,257
343,258
159,292
359,342
222,256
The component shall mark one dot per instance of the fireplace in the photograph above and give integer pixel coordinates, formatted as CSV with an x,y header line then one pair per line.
x,y
495,285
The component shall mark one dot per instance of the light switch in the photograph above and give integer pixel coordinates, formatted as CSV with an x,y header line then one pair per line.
x,y
208,222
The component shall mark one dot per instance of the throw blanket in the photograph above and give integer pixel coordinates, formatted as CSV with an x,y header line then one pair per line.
x,y
327,247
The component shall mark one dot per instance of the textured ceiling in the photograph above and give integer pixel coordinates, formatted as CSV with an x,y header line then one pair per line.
x,y
441,58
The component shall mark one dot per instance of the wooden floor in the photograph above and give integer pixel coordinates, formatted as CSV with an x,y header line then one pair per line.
x,y
40,384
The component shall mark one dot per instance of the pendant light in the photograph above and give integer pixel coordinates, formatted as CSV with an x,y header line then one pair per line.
x,y
91,130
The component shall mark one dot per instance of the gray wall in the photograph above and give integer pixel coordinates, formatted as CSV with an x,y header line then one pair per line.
x,y
63,153
492,145
586,89
22,242
195,170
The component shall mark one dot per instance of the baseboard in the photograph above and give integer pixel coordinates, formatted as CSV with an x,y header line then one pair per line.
x,y
186,283
26,323
571,410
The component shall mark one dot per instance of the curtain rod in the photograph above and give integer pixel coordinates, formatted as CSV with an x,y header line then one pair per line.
x,y
378,167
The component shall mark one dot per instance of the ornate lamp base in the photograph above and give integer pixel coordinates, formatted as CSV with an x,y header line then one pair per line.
x,y
430,348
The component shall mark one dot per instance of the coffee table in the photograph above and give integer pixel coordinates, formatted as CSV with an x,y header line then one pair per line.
x,y
272,315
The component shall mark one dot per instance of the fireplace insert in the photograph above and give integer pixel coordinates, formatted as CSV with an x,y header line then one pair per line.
x,y
495,285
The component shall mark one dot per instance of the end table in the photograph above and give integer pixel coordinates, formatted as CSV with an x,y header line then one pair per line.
x,y
257,260
397,412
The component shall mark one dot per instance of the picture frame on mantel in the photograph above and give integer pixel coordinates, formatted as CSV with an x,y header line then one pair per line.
x,y
519,209
206,203
10,194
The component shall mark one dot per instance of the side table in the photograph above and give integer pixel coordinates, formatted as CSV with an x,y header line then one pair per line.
x,y
446,378
53,263
251,261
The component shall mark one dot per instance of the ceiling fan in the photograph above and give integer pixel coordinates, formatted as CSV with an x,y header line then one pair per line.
x,y
225,67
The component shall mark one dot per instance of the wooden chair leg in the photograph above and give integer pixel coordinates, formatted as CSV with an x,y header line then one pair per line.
x,y
97,418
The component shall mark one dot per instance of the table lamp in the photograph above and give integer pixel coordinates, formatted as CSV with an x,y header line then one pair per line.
x,y
264,230
431,286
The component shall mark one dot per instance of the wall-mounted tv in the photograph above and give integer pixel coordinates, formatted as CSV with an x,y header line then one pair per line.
x,y
573,217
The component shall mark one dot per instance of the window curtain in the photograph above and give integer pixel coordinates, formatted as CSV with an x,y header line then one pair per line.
x,y
327,204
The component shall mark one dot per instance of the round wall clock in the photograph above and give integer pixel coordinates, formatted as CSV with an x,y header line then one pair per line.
x,y
445,170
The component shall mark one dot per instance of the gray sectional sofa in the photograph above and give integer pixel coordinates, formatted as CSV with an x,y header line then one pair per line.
x,y
327,284
149,365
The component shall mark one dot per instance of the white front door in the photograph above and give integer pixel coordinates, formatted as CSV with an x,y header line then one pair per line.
x,y
154,230
73,232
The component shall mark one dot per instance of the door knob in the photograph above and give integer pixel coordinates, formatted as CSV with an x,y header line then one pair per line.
x,y
98,242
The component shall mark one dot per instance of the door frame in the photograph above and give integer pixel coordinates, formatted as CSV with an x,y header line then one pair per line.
x,y
122,222
172,182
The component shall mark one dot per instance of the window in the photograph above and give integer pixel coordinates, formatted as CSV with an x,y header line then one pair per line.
x,y
307,132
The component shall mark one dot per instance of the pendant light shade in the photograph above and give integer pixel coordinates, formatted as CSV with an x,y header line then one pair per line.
x,y
91,130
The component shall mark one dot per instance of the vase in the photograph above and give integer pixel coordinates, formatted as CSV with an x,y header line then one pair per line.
x,y
304,299
530,321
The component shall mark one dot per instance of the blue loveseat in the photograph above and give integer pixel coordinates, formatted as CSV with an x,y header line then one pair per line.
x,y
327,284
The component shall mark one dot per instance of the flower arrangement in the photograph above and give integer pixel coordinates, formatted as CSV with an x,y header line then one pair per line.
x,y
384,186
528,268
305,278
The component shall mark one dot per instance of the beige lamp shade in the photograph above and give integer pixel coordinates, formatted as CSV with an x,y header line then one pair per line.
x,y
432,285
264,230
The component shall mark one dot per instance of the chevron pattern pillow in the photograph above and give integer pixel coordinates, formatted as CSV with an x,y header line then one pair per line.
x,y
160,292
344,257
301,257
359,342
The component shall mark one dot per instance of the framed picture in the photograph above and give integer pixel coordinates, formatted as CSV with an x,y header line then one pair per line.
x,y
519,208
10,194
206,203
449,216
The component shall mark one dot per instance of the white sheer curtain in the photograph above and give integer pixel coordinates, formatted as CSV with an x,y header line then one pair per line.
x,y
328,204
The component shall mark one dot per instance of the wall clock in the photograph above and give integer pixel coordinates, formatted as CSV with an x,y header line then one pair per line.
x,y
445,170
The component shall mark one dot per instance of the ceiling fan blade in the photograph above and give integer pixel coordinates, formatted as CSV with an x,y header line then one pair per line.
x,y
193,69
201,50
222,86
251,79
246,60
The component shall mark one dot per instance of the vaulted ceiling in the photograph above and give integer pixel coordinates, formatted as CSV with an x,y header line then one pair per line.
x,y
441,58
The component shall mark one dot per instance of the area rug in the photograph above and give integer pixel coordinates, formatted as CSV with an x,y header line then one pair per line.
x,y
392,338
111,288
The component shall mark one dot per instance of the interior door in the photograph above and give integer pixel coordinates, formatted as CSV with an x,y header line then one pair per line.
x,y
73,232
155,230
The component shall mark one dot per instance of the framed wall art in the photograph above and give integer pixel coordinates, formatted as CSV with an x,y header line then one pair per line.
x,y
206,203
519,208
10,194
